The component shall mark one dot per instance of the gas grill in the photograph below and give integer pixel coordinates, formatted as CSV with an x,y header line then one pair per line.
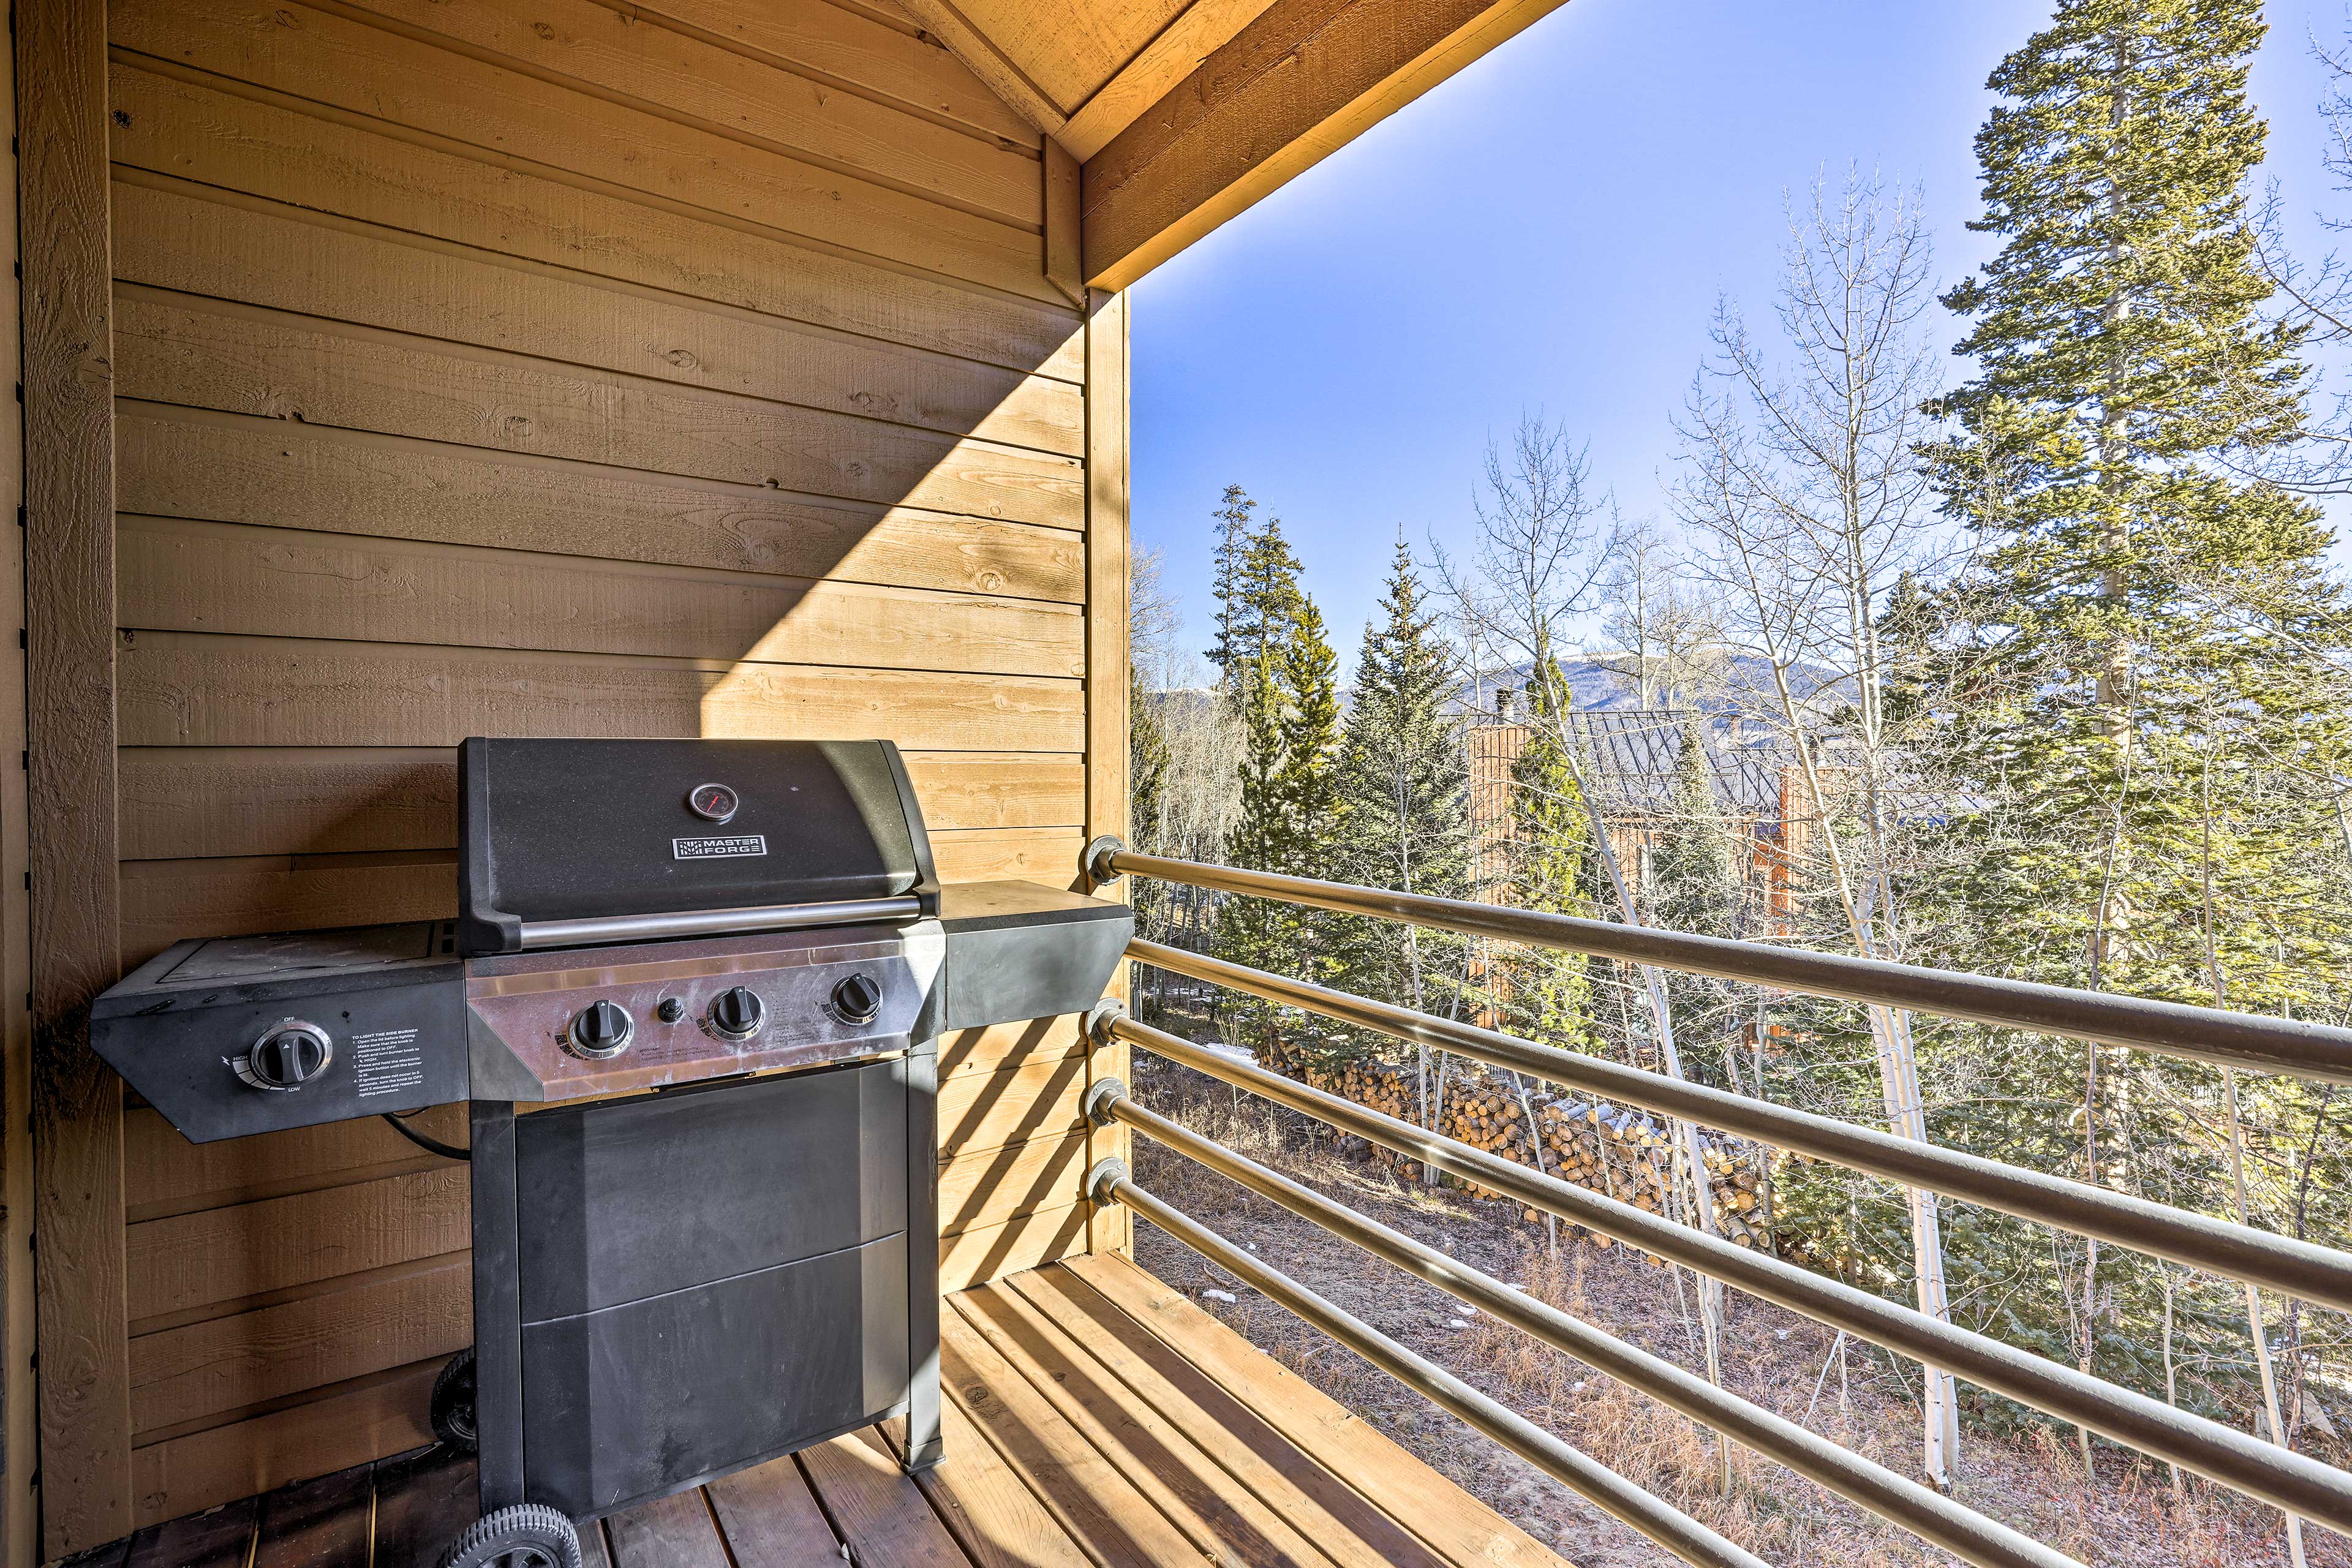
x,y
693,995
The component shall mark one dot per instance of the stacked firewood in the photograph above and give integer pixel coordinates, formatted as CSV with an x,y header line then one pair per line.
x,y
1628,1155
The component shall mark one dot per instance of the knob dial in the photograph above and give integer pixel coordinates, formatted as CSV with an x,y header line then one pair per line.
x,y
737,1012
288,1055
857,1000
602,1029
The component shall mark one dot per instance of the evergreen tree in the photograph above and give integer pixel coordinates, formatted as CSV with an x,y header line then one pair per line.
x,y
1547,994
1240,625
2139,601
1696,885
1694,875
1284,677
1404,786
2136,687
1308,783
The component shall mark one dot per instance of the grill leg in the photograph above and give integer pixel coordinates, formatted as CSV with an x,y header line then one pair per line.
x,y
923,1444
497,1308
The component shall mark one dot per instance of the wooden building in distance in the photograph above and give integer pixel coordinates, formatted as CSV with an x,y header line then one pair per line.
x,y
396,371
1633,757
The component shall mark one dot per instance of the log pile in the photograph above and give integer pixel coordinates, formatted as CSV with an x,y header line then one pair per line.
x,y
1626,1154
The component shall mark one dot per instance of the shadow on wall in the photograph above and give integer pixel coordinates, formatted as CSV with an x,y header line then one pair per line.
x,y
315,611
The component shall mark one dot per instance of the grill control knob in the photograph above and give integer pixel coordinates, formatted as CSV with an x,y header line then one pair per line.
x,y
288,1055
857,1000
736,1013
602,1029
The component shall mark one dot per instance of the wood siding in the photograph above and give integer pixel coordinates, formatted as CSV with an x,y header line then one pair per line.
x,y
561,369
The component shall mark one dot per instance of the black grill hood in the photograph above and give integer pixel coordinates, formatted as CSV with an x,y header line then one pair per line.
x,y
562,830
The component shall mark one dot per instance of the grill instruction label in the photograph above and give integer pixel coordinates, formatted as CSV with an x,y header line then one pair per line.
x,y
386,1061
729,848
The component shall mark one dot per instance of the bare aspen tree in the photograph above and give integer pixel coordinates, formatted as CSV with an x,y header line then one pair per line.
x,y
1198,798
1543,553
1667,624
1797,469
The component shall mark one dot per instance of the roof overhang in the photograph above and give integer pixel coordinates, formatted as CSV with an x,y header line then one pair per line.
x,y
1220,104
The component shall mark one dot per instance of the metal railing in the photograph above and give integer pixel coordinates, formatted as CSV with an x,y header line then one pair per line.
x,y
2299,1485
2200,1034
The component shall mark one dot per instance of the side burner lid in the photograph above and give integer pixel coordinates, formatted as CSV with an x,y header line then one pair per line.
x,y
564,830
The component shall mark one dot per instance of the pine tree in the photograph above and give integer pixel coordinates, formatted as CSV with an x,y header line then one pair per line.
x,y
1695,885
1404,786
1548,995
1283,678
2135,689
1694,875
2139,601
1240,627
1308,784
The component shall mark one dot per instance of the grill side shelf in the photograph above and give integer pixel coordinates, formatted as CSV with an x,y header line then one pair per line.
x,y
1017,951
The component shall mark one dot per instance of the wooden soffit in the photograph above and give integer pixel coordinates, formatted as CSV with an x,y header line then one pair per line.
x,y
1180,113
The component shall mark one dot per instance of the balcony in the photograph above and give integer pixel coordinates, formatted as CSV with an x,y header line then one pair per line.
x,y
1093,1416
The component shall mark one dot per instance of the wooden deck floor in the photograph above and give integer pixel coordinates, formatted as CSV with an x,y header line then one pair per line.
x,y
1094,1416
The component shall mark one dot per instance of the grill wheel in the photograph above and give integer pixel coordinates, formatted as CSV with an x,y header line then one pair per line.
x,y
528,1535
453,1403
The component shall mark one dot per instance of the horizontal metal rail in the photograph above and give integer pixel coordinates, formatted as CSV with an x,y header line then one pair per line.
x,y
2275,1475
2199,1034
1678,1531
2281,1263
1964,1532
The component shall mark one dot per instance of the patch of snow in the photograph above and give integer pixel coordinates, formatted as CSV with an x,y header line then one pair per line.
x,y
1456,1323
1227,1297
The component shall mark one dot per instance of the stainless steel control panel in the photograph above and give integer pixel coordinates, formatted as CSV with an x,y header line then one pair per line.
x,y
596,1021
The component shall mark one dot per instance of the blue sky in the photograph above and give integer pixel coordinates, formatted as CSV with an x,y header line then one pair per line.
x,y
1549,230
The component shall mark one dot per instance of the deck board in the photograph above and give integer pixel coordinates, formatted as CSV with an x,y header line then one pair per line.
x,y
997,1521
877,1506
770,1518
1316,1503
1094,1416
325,1523
1218,1514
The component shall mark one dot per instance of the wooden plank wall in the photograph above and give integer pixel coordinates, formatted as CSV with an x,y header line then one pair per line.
x,y
549,369
18,1540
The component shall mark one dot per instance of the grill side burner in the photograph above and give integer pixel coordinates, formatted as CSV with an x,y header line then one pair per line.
x,y
233,1035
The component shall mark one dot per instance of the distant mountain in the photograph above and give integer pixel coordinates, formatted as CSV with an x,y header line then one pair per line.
x,y
1605,682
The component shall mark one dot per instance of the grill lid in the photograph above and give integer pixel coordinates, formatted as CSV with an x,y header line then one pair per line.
x,y
571,830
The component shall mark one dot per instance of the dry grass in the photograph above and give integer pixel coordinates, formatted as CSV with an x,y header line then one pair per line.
x,y
2127,1512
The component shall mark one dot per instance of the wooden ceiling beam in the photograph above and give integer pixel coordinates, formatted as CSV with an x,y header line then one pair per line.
x,y
1301,80
992,65
1174,53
